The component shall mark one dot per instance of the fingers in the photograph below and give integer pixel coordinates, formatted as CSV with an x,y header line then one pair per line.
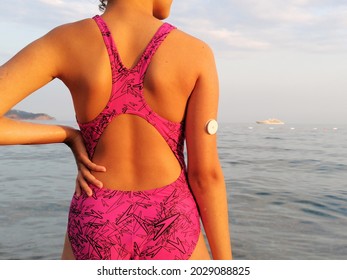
x,y
84,165
84,159
94,167
82,185
83,181
78,190
88,177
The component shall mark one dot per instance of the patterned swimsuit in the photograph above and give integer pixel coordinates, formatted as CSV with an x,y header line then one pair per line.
x,y
161,223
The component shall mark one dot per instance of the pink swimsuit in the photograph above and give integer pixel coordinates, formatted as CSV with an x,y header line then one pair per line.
x,y
161,223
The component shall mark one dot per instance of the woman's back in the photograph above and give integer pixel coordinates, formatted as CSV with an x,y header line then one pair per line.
x,y
174,91
135,155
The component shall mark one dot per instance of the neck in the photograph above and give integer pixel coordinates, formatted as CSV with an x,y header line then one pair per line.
x,y
126,8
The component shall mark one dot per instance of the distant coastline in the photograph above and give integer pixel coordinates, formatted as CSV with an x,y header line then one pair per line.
x,y
22,115
270,121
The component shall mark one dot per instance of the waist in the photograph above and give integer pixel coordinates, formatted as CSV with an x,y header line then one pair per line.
x,y
179,181
128,177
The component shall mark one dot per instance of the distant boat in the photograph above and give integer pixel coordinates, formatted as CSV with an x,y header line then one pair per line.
x,y
270,121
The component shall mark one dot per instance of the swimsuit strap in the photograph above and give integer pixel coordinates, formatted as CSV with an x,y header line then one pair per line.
x,y
127,95
152,47
145,59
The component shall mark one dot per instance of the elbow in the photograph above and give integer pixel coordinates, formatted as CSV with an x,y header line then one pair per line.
x,y
204,180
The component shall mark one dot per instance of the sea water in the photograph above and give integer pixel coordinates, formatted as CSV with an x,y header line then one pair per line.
x,y
287,192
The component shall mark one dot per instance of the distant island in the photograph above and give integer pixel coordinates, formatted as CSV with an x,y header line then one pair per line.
x,y
270,121
22,115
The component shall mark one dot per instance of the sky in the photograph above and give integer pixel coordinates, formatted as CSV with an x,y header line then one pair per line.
x,y
284,59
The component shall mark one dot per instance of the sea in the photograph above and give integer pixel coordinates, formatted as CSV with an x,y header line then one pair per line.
x,y
286,184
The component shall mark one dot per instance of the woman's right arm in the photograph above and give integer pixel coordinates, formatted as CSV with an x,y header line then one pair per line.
x,y
204,170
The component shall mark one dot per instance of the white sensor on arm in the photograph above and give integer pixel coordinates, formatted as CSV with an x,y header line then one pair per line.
x,y
212,127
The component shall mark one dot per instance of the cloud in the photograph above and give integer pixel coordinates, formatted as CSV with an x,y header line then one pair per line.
x,y
268,25
309,25
280,11
222,38
237,40
53,2
228,25
47,14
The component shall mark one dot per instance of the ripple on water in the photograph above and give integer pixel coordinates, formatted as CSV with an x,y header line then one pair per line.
x,y
317,213
263,193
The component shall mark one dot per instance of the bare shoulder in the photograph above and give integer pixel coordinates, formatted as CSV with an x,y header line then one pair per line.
x,y
72,31
196,49
193,42
68,43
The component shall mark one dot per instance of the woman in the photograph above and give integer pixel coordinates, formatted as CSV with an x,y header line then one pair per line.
x,y
139,88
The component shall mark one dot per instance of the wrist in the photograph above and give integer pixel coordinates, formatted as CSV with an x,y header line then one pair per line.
x,y
71,135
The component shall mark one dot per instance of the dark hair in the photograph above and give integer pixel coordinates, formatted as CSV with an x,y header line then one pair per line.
x,y
102,5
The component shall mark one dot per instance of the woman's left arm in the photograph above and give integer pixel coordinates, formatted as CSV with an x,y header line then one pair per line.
x,y
13,132
33,67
